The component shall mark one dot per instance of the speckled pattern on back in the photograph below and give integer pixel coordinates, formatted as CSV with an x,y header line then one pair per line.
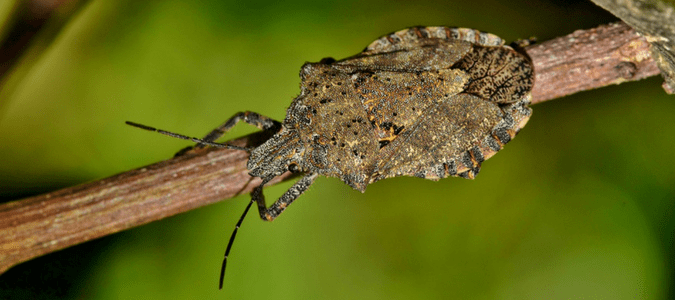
x,y
429,102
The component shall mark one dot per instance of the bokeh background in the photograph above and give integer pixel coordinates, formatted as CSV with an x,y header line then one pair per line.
x,y
579,206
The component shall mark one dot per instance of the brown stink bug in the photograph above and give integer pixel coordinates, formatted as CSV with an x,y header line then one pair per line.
x,y
429,102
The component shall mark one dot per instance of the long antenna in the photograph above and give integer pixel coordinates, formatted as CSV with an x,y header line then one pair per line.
x,y
185,137
229,245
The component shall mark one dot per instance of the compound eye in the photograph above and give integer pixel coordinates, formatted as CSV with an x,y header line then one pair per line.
x,y
293,168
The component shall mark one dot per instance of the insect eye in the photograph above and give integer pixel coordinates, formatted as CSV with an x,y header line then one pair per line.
x,y
293,168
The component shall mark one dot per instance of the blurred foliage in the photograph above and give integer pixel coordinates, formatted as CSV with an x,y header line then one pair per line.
x,y
579,206
6,9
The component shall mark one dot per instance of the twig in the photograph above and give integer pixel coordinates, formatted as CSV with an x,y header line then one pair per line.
x,y
38,225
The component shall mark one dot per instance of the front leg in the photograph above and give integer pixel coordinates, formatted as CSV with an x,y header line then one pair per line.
x,y
269,214
255,119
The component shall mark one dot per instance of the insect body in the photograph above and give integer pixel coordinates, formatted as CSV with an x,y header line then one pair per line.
x,y
429,102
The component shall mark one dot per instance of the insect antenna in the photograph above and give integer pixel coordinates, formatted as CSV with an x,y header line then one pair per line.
x,y
229,244
185,137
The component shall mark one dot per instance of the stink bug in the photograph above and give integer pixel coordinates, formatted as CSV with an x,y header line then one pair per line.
x,y
429,102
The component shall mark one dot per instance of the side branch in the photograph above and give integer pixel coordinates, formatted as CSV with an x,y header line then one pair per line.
x,y
31,227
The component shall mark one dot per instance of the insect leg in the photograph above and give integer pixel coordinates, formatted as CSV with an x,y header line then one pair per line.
x,y
255,119
269,214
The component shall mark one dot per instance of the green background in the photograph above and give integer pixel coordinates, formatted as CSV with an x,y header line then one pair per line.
x,y
579,206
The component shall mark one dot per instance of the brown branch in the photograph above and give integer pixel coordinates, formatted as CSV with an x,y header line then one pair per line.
x,y
38,225
589,59
655,20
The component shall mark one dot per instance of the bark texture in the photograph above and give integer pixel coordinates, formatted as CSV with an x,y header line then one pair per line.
x,y
655,20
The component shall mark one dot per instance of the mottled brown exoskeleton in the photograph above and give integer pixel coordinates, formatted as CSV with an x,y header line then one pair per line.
x,y
429,102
